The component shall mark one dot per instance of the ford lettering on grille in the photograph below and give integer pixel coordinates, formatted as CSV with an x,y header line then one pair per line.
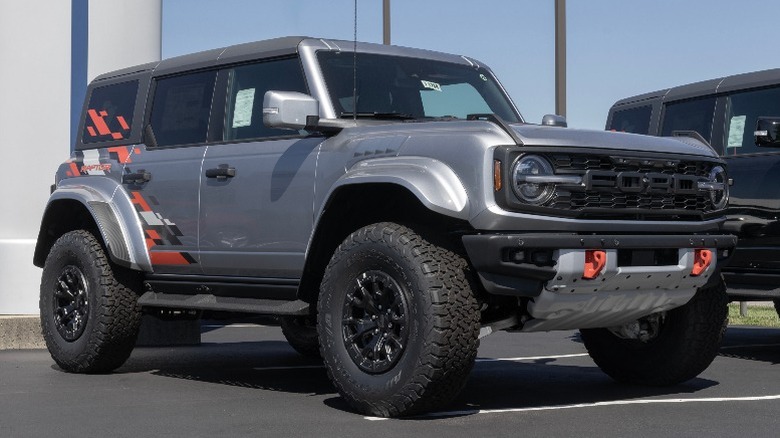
x,y
638,182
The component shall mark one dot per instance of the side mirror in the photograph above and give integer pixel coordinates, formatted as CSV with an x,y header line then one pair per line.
x,y
554,120
290,110
767,132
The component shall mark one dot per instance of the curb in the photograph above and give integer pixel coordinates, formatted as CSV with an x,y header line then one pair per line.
x,y
23,332
20,332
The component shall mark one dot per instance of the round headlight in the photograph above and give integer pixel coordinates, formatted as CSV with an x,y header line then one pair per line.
x,y
718,196
523,174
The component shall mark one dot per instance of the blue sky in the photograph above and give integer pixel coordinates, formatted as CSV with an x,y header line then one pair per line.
x,y
616,48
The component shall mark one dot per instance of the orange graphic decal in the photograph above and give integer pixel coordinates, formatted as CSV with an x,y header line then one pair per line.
x,y
122,153
99,121
138,200
74,170
169,258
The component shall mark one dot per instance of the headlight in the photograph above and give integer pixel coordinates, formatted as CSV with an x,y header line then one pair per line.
x,y
719,194
529,182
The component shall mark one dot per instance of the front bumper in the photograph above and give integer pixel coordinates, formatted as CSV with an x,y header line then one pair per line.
x,y
548,270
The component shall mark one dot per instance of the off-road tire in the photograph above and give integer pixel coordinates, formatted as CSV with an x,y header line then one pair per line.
x,y
688,341
301,333
443,321
111,314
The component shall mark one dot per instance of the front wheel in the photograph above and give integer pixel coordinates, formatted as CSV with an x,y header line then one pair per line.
x,y
397,320
89,308
667,348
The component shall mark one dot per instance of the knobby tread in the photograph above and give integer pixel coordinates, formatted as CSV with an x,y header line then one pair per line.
x,y
300,335
114,313
448,341
688,343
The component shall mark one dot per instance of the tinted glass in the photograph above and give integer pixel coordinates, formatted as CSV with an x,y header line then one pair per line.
x,y
248,84
635,120
110,113
690,115
744,110
180,112
411,87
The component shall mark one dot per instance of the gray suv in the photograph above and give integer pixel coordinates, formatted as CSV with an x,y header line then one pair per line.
x,y
390,206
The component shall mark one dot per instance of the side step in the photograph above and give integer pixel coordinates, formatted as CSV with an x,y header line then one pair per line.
x,y
230,304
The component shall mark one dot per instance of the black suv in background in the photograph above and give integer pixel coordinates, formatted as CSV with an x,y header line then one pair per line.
x,y
739,116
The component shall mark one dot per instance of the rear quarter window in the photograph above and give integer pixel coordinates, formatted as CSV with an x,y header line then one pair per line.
x,y
109,115
635,120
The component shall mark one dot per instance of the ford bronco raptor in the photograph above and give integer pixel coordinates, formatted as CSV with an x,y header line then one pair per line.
x,y
391,206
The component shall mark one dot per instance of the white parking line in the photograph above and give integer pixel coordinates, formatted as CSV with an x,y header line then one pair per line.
x,y
590,405
731,347
520,359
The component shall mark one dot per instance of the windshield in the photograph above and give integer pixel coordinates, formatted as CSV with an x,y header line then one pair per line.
x,y
411,88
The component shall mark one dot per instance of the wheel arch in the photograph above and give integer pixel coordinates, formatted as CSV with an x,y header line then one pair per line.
x,y
352,206
102,207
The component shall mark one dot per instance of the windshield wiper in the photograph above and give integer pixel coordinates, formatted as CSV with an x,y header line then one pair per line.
x,y
378,115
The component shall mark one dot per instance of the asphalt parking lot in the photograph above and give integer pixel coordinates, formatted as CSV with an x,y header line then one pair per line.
x,y
244,380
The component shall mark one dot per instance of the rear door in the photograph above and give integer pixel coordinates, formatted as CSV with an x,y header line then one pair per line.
x,y
162,177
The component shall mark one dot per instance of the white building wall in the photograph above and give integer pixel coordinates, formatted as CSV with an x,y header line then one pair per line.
x,y
35,108
123,33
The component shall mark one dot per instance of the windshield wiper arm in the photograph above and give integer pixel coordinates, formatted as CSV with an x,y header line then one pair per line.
x,y
378,115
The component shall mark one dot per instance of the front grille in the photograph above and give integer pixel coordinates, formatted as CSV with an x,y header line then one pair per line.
x,y
677,196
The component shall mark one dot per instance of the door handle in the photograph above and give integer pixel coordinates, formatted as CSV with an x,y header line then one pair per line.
x,y
139,177
221,172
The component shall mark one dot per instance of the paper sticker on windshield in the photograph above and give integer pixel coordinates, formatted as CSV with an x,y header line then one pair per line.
x,y
242,111
431,85
483,77
736,131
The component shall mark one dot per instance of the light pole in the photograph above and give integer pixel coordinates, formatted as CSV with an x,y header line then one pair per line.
x,y
386,22
560,57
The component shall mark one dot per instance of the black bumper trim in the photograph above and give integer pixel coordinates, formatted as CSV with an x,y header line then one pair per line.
x,y
486,254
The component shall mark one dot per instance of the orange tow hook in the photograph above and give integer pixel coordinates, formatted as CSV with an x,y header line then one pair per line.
x,y
595,260
701,260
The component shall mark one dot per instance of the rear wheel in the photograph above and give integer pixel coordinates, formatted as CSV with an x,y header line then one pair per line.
x,y
667,348
777,307
89,308
301,333
397,320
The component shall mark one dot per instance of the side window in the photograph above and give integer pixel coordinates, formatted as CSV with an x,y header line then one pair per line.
x,y
744,109
635,120
690,115
247,85
110,112
180,112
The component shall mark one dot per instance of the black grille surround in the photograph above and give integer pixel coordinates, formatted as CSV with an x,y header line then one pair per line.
x,y
617,185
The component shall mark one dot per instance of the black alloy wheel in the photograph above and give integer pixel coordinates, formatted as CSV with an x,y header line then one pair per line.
x,y
376,321
71,304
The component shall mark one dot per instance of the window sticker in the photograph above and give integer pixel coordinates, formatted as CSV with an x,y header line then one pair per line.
x,y
242,112
736,131
431,85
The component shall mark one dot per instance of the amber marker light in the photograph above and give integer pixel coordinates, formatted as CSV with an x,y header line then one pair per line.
x,y
497,175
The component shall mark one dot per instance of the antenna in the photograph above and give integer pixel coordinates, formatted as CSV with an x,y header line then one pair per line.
x,y
354,69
